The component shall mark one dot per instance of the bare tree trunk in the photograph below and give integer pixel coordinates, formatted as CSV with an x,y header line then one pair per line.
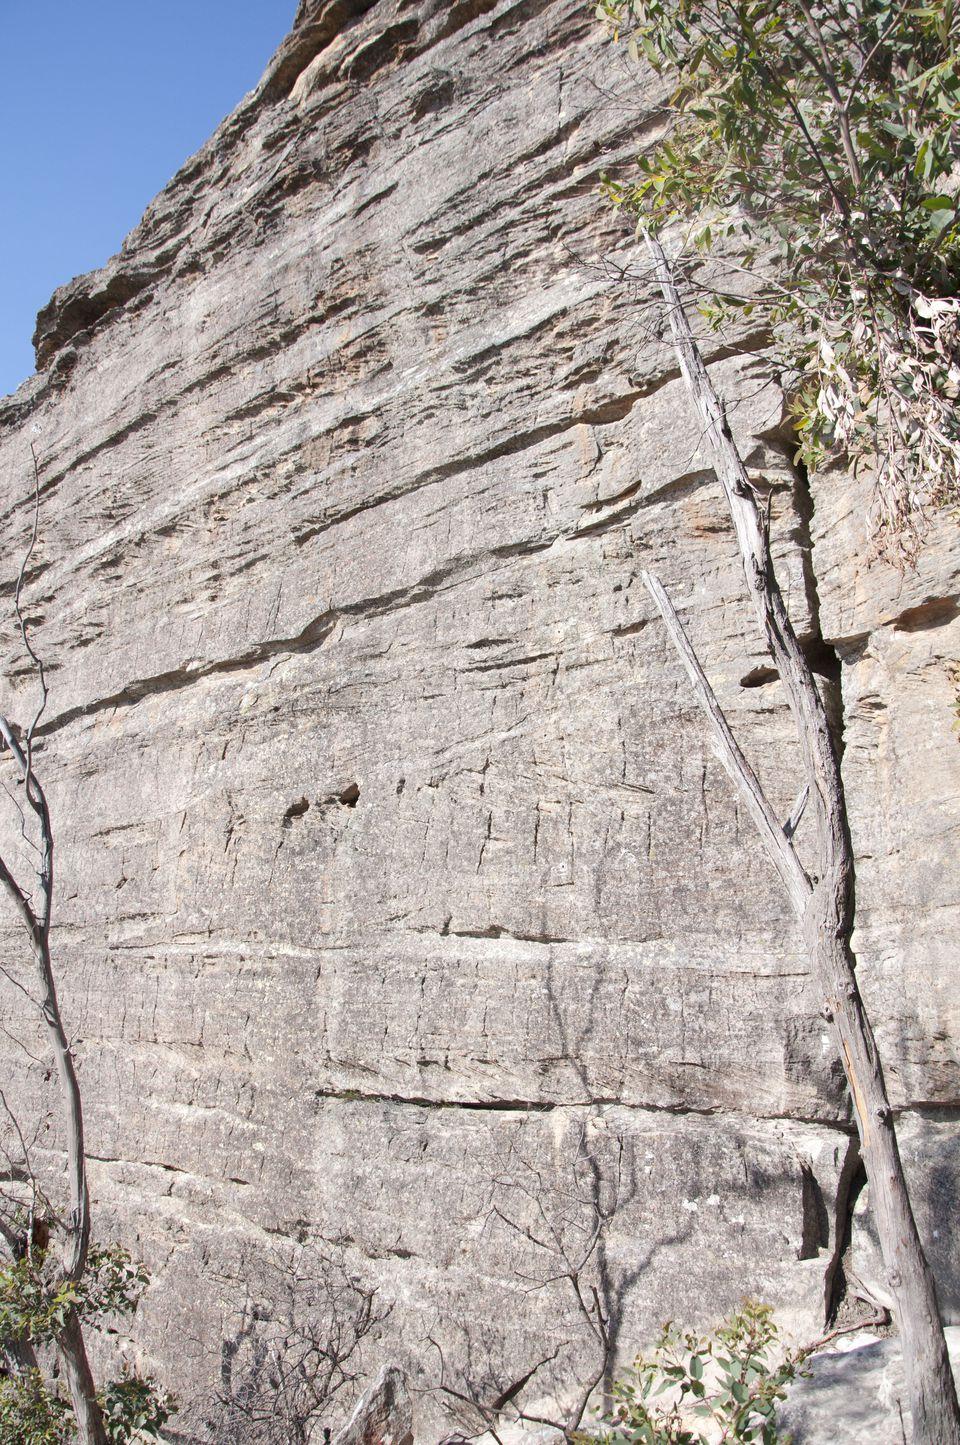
x,y
71,1348
72,1354
825,904
19,1355
34,904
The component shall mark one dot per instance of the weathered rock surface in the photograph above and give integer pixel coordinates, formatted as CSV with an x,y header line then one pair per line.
x,y
383,1415
855,1393
399,891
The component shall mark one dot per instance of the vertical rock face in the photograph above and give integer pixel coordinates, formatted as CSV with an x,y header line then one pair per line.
x,y
402,905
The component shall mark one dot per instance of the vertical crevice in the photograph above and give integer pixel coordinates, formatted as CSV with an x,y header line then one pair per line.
x,y
853,1181
815,1229
823,657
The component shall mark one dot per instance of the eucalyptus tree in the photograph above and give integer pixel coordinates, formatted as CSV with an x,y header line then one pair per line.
x,y
823,137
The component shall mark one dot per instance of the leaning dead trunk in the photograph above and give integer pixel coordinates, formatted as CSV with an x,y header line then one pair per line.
x,y
825,904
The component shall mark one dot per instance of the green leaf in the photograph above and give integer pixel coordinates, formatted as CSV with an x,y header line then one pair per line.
x,y
940,220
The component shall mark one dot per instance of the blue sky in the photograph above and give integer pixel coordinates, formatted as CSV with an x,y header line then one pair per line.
x,y
101,102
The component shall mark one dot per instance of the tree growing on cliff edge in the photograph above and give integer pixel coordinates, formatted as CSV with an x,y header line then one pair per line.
x,y
53,1285
827,135
824,138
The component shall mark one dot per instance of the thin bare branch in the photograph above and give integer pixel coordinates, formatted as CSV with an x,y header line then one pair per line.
x,y
21,578
774,837
826,72
796,812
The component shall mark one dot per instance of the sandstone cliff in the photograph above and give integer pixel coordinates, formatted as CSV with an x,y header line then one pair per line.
x,y
395,871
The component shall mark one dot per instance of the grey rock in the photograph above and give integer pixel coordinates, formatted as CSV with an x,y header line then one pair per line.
x,y
383,1414
931,1152
393,857
854,1394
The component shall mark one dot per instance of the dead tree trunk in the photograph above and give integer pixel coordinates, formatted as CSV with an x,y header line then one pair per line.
x,y
823,903
19,1356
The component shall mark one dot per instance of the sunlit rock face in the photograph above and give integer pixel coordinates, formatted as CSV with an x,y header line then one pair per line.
x,y
403,908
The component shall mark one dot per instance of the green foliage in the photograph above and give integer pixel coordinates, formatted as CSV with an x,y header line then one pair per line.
x,y
30,1307
112,1283
134,1409
825,137
31,1415
35,1307
695,1389
35,1304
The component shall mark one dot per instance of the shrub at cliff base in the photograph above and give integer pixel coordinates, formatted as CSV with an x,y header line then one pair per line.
x,y
33,1308
701,1390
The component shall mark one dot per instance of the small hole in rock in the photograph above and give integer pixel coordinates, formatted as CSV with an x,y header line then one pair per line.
x,y
350,795
295,810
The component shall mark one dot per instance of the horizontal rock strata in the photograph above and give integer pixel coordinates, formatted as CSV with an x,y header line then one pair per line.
x,y
399,889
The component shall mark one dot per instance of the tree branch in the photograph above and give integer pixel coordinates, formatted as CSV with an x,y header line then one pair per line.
x,y
829,80
773,836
